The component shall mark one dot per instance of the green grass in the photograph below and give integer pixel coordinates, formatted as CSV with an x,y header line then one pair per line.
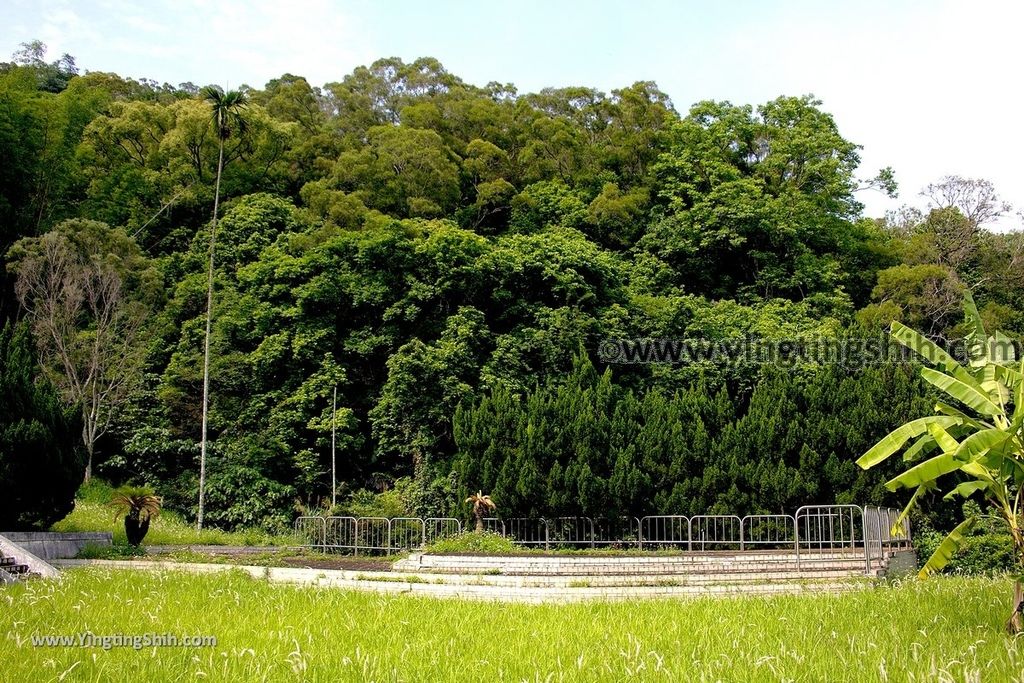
x,y
947,629
481,542
92,513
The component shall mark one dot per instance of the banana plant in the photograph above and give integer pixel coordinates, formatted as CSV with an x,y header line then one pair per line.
x,y
978,434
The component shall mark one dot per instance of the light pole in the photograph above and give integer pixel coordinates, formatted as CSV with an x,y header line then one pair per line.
x,y
334,466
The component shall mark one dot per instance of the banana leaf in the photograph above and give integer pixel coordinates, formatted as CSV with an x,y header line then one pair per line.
x,y
972,397
922,346
926,472
895,439
947,549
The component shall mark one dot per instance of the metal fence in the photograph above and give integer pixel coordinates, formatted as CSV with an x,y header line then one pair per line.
x,y
884,532
815,533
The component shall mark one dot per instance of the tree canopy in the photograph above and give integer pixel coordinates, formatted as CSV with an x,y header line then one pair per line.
x,y
450,256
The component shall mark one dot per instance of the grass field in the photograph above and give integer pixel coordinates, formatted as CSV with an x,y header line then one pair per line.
x,y
92,513
167,529
947,629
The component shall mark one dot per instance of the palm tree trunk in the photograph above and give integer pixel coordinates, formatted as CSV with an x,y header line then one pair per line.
x,y
206,347
479,524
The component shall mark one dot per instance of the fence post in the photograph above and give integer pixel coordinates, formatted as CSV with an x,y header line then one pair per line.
x,y
881,548
867,542
796,538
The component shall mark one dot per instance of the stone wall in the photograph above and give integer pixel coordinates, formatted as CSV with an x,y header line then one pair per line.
x,y
902,563
51,545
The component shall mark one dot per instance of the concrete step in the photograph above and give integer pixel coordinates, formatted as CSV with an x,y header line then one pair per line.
x,y
581,592
484,570
628,566
752,557
619,580
500,588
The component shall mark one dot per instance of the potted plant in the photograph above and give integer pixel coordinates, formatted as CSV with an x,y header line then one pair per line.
x,y
138,505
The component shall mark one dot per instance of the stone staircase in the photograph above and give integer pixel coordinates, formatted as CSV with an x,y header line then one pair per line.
x,y
539,578
714,562
708,573
18,564
14,570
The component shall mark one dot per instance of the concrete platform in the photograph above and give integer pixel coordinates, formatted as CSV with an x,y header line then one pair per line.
x,y
522,588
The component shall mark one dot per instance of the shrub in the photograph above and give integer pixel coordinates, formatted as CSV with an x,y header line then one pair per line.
x,y
981,554
241,497
117,551
472,542
394,502
987,550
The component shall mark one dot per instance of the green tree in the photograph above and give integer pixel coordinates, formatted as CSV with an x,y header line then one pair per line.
x,y
756,203
88,290
402,171
41,459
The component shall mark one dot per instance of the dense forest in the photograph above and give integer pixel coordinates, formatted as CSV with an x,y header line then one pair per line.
x,y
448,258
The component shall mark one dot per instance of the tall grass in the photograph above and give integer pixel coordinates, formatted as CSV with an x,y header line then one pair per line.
x,y
948,629
92,513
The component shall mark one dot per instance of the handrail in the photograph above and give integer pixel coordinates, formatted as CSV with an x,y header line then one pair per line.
x,y
873,532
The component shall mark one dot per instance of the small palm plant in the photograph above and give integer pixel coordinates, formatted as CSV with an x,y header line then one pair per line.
x,y
481,505
139,506
979,434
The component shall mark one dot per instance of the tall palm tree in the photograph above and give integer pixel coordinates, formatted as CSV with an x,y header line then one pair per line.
x,y
227,109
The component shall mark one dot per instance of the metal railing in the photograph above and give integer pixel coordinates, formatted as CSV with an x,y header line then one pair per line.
x,y
664,531
815,533
436,528
884,532
769,531
716,532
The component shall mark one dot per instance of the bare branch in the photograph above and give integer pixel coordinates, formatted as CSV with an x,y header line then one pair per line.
x,y
87,328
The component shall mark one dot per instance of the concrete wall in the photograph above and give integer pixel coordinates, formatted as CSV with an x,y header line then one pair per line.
x,y
50,545
901,564
36,564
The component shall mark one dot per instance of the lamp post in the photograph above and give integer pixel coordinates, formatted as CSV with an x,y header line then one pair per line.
x,y
334,466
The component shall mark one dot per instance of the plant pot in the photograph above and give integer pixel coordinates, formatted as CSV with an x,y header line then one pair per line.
x,y
135,530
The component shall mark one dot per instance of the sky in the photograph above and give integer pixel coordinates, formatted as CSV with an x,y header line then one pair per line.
x,y
931,88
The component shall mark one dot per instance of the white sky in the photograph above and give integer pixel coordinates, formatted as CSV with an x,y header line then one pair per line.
x,y
929,88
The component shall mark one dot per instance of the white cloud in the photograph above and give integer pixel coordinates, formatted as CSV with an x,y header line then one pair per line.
x,y
227,42
256,41
931,93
